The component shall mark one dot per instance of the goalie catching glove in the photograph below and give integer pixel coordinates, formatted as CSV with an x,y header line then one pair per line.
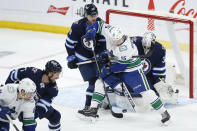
x,y
166,92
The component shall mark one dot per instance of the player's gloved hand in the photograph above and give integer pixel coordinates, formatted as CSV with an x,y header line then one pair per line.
x,y
103,57
4,111
72,62
105,72
90,34
93,26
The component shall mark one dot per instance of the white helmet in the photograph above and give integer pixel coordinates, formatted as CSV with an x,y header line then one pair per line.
x,y
116,33
148,38
27,85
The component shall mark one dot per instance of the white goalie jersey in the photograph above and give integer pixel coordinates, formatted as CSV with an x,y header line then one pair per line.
x,y
8,98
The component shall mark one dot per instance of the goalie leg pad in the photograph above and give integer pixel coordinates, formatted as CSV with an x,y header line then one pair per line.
x,y
166,92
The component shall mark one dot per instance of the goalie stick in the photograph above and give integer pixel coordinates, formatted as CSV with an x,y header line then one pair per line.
x,y
117,115
11,121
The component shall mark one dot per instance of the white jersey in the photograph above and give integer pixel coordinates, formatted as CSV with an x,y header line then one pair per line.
x,y
8,98
124,52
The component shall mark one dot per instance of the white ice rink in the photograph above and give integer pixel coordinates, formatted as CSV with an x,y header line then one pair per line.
x,y
26,48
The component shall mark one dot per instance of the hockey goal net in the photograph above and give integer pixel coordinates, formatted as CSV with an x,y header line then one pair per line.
x,y
175,32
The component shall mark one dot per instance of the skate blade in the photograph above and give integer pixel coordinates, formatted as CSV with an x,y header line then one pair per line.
x,y
167,123
86,118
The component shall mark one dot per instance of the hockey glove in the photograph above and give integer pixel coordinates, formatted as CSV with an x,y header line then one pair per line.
x,y
72,62
103,57
90,34
4,111
94,26
105,72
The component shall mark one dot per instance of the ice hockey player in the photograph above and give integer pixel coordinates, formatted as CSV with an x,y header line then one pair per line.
x,y
46,89
16,99
78,51
154,65
128,68
153,56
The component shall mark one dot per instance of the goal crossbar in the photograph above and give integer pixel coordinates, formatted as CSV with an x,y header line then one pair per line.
x,y
167,17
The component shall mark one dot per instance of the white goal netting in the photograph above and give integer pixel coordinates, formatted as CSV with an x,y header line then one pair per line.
x,y
175,36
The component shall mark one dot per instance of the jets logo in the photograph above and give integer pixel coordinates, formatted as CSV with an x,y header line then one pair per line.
x,y
146,65
34,70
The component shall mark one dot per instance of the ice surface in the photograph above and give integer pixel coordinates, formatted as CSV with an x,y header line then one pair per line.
x,y
26,48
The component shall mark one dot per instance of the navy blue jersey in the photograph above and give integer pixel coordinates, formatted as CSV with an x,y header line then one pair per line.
x,y
154,65
45,91
74,44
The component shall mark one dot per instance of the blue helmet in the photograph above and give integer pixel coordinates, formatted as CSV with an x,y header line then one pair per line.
x,y
90,9
53,66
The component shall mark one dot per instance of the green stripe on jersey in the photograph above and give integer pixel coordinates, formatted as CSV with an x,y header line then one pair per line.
x,y
97,97
137,62
157,104
144,80
29,122
100,23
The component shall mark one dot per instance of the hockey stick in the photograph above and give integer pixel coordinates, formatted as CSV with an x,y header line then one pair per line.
x,y
138,56
86,62
11,121
117,115
129,97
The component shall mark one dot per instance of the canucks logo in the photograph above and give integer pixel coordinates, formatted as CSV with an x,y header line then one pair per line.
x,y
146,65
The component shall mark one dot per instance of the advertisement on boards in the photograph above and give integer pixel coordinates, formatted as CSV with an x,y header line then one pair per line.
x,y
64,12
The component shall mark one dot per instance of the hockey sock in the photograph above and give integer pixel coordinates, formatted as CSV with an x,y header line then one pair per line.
x,y
54,127
97,98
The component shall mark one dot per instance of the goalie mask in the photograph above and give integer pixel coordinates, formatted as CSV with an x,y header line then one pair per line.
x,y
148,41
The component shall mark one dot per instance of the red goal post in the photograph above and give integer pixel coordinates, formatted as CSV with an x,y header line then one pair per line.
x,y
172,18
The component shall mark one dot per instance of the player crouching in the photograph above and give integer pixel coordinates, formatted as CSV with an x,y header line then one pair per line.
x,y
16,99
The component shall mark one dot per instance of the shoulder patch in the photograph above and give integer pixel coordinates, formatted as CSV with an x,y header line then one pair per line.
x,y
34,70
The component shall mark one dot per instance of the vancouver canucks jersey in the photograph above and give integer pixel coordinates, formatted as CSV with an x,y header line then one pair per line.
x,y
45,91
74,44
123,54
154,65
8,98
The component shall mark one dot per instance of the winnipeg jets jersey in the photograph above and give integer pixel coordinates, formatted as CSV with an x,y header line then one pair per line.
x,y
74,43
46,91
123,53
154,65
8,98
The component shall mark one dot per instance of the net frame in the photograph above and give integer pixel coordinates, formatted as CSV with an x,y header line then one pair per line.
x,y
167,17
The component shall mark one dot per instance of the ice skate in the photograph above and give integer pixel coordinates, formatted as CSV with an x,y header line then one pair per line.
x,y
165,118
84,109
89,115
